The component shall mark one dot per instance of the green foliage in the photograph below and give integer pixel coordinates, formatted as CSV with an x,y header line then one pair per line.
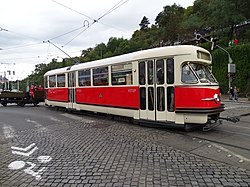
x,y
241,58
36,78
170,22
144,23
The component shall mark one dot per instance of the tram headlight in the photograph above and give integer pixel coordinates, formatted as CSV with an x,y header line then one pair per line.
x,y
216,98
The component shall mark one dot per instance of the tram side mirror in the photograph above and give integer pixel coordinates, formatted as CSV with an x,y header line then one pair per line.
x,y
198,36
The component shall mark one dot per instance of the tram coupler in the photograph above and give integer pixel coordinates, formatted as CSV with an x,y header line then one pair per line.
x,y
233,119
211,124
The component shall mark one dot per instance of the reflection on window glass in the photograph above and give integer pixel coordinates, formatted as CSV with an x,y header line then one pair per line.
x,y
160,71
61,80
142,73
188,75
160,99
170,99
150,72
122,74
52,81
84,77
203,73
150,98
143,98
100,76
170,71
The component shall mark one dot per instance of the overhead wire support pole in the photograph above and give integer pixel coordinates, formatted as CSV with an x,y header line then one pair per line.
x,y
76,61
230,60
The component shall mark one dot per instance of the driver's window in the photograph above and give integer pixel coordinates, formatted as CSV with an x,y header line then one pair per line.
x,y
188,75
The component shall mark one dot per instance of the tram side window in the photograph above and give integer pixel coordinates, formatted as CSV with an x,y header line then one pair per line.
x,y
122,74
142,73
52,81
160,71
101,76
61,80
170,71
150,72
170,99
151,98
143,98
84,77
160,99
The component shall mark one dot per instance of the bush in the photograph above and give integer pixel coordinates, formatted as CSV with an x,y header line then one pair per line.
x,y
241,58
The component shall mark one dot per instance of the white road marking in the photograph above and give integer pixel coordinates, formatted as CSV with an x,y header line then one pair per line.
x,y
54,119
19,164
44,159
34,122
37,174
25,154
230,152
16,165
22,151
8,131
71,116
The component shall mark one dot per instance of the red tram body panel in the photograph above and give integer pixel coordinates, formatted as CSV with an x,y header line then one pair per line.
x,y
122,97
196,98
58,94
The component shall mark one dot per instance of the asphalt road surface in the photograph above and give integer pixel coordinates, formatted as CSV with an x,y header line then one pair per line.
x,y
40,146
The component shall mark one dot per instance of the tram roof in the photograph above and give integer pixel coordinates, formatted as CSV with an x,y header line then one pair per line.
x,y
134,56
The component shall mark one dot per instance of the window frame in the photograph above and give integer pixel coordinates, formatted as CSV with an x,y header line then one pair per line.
x,y
101,75
59,84
84,78
123,73
55,82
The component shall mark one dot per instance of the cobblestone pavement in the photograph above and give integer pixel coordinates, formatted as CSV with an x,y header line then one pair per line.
x,y
88,152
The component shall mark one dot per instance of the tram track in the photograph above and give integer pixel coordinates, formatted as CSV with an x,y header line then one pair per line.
x,y
219,142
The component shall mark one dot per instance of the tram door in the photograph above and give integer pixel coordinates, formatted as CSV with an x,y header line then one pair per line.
x,y
154,88
71,88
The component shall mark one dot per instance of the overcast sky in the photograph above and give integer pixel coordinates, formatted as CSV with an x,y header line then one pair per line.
x,y
25,24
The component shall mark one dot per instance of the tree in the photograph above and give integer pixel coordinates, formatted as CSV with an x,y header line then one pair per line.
x,y
144,23
225,13
220,14
170,21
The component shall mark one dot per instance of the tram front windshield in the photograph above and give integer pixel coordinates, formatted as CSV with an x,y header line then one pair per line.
x,y
192,72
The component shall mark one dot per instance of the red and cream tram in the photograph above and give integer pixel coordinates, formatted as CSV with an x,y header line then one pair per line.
x,y
169,85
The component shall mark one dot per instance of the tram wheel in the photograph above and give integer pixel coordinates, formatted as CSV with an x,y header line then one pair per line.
x,y
190,127
21,104
4,103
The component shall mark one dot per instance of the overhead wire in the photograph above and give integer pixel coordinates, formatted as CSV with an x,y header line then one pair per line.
x,y
66,33
84,15
73,10
20,46
120,3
